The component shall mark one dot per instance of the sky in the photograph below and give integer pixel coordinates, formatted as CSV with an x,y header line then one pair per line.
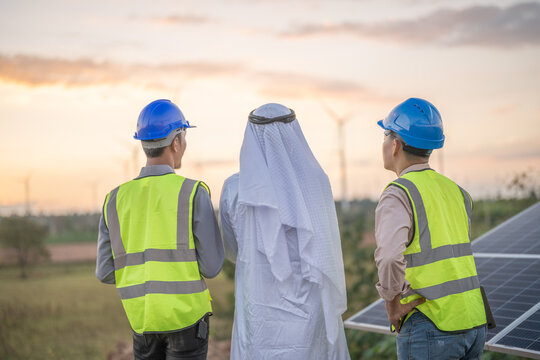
x,y
75,74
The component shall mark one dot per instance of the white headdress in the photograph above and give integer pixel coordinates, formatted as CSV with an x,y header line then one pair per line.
x,y
283,182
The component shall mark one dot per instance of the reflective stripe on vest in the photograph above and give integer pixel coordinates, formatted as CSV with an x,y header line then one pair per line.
x,y
181,254
162,287
447,288
443,271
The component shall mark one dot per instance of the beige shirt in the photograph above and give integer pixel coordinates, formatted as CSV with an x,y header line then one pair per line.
x,y
393,231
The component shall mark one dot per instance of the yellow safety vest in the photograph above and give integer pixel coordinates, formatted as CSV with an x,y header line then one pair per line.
x,y
156,270
440,264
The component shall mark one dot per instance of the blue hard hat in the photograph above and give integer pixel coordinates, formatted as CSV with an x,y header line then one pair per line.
x,y
158,119
418,123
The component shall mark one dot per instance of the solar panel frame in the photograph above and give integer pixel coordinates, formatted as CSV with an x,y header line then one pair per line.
x,y
525,312
495,343
511,285
381,329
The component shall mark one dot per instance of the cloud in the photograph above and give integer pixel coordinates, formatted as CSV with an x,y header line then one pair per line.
x,y
179,20
34,71
504,109
39,71
477,25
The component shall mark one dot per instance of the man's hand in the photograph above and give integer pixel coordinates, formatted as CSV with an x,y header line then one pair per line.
x,y
396,310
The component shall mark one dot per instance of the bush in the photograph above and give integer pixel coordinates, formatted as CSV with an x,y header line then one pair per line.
x,y
26,238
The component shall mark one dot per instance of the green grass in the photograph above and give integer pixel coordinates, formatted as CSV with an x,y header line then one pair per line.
x,y
72,237
64,312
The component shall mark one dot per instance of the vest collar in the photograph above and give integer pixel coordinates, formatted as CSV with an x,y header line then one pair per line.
x,y
415,167
155,170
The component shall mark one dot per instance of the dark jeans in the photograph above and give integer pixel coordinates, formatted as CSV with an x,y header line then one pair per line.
x,y
190,343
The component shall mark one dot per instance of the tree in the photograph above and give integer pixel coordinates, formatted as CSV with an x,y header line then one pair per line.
x,y
26,238
523,185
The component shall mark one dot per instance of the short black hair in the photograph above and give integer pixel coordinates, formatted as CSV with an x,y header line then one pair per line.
x,y
416,151
153,153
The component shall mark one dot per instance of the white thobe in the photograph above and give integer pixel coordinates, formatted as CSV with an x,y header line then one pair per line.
x,y
272,320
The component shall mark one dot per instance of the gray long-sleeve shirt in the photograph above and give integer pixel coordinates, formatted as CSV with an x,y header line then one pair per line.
x,y
208,244
394,229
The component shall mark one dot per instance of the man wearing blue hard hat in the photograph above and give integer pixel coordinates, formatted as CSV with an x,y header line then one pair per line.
x,y
158,238
427,274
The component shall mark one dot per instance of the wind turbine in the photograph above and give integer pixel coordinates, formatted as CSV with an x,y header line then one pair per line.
x,y
135,159
125,166
340,122
26,181
134,150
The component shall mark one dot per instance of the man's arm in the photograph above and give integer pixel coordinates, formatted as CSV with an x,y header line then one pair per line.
x,y
393,230
206,234
395,310
104,261
226,204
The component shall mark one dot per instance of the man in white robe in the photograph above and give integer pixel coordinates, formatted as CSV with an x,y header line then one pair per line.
x,y
280,227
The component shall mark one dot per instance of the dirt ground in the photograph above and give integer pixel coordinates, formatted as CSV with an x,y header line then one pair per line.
x,y
59,253
217,350
73,252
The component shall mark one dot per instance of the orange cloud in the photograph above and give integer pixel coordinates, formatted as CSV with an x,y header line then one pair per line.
x,y
38,71
504,109
179,20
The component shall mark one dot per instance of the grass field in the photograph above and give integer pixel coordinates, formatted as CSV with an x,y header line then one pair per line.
x,y
72,237
64,312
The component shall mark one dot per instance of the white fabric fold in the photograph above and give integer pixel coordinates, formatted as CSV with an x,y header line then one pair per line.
x,y
285,187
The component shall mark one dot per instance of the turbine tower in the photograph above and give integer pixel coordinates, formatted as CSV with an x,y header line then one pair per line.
x,y
134,149
340,122
26,182
135,159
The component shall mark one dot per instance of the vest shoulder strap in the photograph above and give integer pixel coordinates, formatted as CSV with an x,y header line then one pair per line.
x,y
203,184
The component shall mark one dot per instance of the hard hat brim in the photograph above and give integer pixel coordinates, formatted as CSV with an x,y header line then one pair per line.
x,y
163,142
416,142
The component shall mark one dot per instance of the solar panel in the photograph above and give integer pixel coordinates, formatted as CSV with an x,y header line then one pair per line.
x,y
512,287
518,235
511,281
373,318
525,335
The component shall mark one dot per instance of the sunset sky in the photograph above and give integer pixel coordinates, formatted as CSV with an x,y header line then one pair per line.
x,y
75,74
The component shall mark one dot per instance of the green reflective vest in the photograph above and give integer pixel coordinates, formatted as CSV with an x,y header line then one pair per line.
x,y
156,270
440,264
